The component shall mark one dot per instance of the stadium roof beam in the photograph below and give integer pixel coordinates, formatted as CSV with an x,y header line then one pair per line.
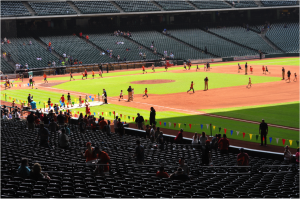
x,y
146,13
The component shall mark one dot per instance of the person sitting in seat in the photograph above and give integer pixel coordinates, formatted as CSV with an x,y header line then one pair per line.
x,y
23,170
44,135
184,166
63,139
179,175
242,158
161,173
104,159
36,173
89,154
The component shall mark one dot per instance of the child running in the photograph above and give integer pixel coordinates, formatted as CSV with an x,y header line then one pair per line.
x,y
251,69
197,68
121,95
93,74
267,71
83,75
143,67
184,65
249,83
100,72
45,78
239,67
192,87
166,67
146,91
263,69
71,76
295,79
153,69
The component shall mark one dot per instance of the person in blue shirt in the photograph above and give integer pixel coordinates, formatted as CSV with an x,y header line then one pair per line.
x,y
33,105
23,170
67,129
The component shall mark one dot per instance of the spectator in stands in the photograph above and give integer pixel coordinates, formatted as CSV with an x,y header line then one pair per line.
x,y
242,158
144,56
161,173
61,118
206,153
102,124
49,49
116,124
43,134
80,34
9,57
263,131
165,31
195,139
179,138
152,116
124,59
53,127
24,44
89,154
139,152
8,41
297,156
152,46
17,66
157,132
154,51
140,54
30,42
36,173
160,140
171,55
64,55
26,66
102,53
30,121
205,50
108,128
214,141
287,156
5,40
152,132
165,53
23,170
63,139
49,44
118,57
103,158
202,140
185,168
87,38
285,25
223,144
139,121
179,175
120,127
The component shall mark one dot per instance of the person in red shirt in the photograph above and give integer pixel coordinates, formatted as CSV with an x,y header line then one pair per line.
x,y
143,67
102,123
263,69
146,91
45,78
89,153
223,144
192,87
161,173
80,34
85,73
87,110
87,37
242,158
49,44
103,158
178,139
62,99
251,69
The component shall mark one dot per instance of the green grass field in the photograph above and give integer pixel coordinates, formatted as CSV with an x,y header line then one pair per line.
x,y
286,114
182,82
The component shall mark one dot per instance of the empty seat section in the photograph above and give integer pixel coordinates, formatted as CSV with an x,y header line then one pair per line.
x,y
285,38
214,44
89,7
23,54
6,67
175,5
77,48
164,43
52,8
106,41
247,38
13,8
279,3
213,4
243,4
137,6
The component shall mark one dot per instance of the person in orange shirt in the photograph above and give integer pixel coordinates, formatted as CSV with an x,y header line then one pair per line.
x,y
143,67
249,83
45,78
263,69
83,75
89,153
103,159
192,87
49,44
93,74
87,37
146,91
251,69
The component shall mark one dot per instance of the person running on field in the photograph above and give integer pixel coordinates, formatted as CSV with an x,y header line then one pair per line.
x,y
45,78
121,95
192,87
289,76
85,73
71,76
249,83
100,72
206,83
153,68
146,91
295,79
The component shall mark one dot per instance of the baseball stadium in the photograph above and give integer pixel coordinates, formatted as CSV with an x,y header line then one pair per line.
x,y
150,99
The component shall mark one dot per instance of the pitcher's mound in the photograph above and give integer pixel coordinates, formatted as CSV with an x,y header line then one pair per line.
x,y
158,81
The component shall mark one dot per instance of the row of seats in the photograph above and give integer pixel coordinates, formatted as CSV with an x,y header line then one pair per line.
x,y
243,4
247,38
6,67
129,180
137,6
77,48
23,53
214,44
213,4
267,3
13,8
164,43
52,8
90,7
285,38
175,5
106,41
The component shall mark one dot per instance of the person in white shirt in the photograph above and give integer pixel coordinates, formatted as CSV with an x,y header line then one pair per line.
x,y
195,138
17,66
152,133
26,66
203,139
172,55
64,55
39,59
5,40
17,115
30,43
53,63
